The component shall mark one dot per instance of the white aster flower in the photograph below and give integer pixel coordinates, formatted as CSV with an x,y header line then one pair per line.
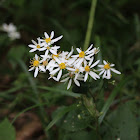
x,y
69,77
11,31
76,70
52,63
9,28
35,64
48,40
61,65
88,69
106,70
48,49
14,35
35,46
83,55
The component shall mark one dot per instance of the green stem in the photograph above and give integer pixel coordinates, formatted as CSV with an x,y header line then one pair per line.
x,y
90,24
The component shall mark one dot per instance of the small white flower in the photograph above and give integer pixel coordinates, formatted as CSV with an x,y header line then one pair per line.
x,y
83,55
48,49
35,64
14,35
106,70
61,65
48,40
76,70
9,28
88,69
11,31
71,77
35,46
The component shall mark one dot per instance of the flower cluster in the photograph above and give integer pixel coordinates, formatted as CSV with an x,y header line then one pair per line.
x,y
11,31
65,66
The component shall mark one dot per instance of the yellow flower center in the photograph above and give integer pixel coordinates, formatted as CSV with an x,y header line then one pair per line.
x,y
82,54
48,40
45,63
62,66
38,46
87,68
35,63
107,66
48,47
77,70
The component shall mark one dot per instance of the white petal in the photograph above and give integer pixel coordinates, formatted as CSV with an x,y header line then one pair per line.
x,y
42,68
55,47
94,75
69,84
54,78
80,62
42,49
64,80
95,63
90,55
70,53
53,52
55,71
101,66
57,60
104,62
52,34
36,72
112,65
32,68
34,42
86,76
59,75
90,62
76,82
36,56
75,56
108,74
32,50
78,50
70,69
104,75
101,72
56,39
89,48
85,63
87,58
32,46
46,53
115,71
46,35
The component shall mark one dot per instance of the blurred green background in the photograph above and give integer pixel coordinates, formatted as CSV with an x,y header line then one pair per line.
x,y
116,31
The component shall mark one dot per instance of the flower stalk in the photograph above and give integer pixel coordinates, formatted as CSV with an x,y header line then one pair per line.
x,y
90,24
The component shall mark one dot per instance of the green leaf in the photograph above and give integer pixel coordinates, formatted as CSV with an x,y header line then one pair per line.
x,y
111,98
123,124
7,131
59,115
77,119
